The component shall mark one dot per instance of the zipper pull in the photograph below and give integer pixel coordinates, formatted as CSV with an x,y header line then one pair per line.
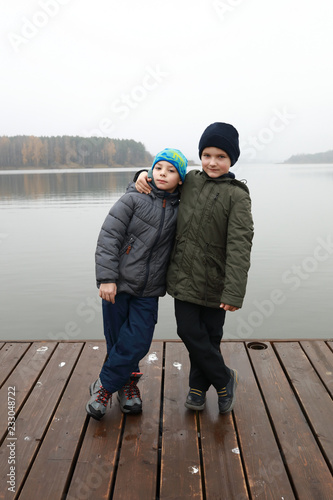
x,y
164,203
128,249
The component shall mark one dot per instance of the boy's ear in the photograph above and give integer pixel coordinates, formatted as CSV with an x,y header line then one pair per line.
x,y
180,183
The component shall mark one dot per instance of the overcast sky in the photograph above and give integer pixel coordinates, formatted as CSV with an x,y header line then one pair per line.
x,y
160,71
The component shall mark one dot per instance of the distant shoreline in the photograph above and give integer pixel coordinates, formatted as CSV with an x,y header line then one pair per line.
x,y
316,158
72,166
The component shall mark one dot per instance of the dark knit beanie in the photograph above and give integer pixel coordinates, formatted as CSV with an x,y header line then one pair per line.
x,y
222,136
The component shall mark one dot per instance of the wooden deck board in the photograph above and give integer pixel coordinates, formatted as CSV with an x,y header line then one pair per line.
x,y
180,469
308,470
264,466
277,442
316,402
10,354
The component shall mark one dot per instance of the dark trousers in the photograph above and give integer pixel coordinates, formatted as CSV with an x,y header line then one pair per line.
x,y
128,328
201,330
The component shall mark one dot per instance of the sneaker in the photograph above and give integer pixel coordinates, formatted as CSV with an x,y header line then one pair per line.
x,y
227,395
129,396
196,399
96,406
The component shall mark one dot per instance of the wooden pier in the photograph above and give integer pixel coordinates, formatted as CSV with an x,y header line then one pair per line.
x,y
276,444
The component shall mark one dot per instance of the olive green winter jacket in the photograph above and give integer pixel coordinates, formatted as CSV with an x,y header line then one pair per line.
x,y
211,255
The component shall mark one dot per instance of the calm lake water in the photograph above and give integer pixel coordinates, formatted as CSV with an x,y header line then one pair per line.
x,y
49,224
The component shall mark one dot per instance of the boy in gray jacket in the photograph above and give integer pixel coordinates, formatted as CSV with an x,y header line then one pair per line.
x,y
132,256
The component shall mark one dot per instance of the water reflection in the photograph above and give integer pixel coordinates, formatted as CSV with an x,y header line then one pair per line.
x,y
57,185
48,288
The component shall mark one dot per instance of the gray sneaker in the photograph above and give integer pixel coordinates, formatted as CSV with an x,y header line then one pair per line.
x,y
227,395
96,406
129,395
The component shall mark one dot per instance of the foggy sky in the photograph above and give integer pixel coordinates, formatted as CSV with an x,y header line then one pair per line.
x,y
160,72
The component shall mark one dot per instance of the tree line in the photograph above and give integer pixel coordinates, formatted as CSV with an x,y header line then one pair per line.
x,y
326,157
52,152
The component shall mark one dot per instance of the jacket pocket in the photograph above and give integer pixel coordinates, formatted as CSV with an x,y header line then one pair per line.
x,y
127,247
215,266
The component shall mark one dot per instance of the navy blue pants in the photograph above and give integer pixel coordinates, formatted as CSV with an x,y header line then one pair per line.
x,y
201,330
128,328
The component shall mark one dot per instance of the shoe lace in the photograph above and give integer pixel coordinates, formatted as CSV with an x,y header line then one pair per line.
x,y
131,390
222,393
196,392
103,396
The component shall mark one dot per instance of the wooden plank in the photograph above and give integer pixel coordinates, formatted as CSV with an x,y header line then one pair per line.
x,y
37,412
139,450
310,474
265,470
315,400
95,468
23,378
180,471
321,357
52,467
10,355
223,471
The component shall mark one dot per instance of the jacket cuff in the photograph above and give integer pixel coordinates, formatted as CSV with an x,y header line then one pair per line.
x,y
135,178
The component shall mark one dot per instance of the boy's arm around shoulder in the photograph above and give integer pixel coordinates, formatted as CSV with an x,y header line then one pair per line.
x,y
111,239
239,244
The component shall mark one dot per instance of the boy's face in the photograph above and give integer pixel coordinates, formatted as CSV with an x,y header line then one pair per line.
x,y
215,162
166,176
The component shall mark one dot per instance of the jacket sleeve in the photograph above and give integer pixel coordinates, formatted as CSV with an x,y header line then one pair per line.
x,y
112,239
136,175
239,243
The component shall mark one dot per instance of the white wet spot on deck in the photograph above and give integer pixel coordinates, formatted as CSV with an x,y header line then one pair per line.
x,y
39,384
42,349
151,358
27,438
236,450
193,470
95,347
177,365
62,364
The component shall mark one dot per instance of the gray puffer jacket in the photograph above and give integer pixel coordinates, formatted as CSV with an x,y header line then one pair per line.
x,y
135,242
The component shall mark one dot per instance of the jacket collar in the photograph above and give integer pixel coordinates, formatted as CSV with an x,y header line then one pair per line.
x,y
229,175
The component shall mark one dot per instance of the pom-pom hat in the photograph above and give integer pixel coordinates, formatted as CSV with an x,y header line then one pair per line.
x,y
175,157
223,136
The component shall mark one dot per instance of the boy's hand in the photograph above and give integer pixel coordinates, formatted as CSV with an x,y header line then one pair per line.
x,y
141,184
108,291
226,307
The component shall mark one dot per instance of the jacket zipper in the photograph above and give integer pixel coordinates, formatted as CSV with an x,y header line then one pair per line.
x,y
154,244
207,246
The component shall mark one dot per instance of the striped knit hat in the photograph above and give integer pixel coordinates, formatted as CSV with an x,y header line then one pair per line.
x,y
175,157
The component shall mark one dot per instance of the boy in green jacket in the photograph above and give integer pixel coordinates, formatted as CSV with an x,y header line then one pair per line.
x,y
207,274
